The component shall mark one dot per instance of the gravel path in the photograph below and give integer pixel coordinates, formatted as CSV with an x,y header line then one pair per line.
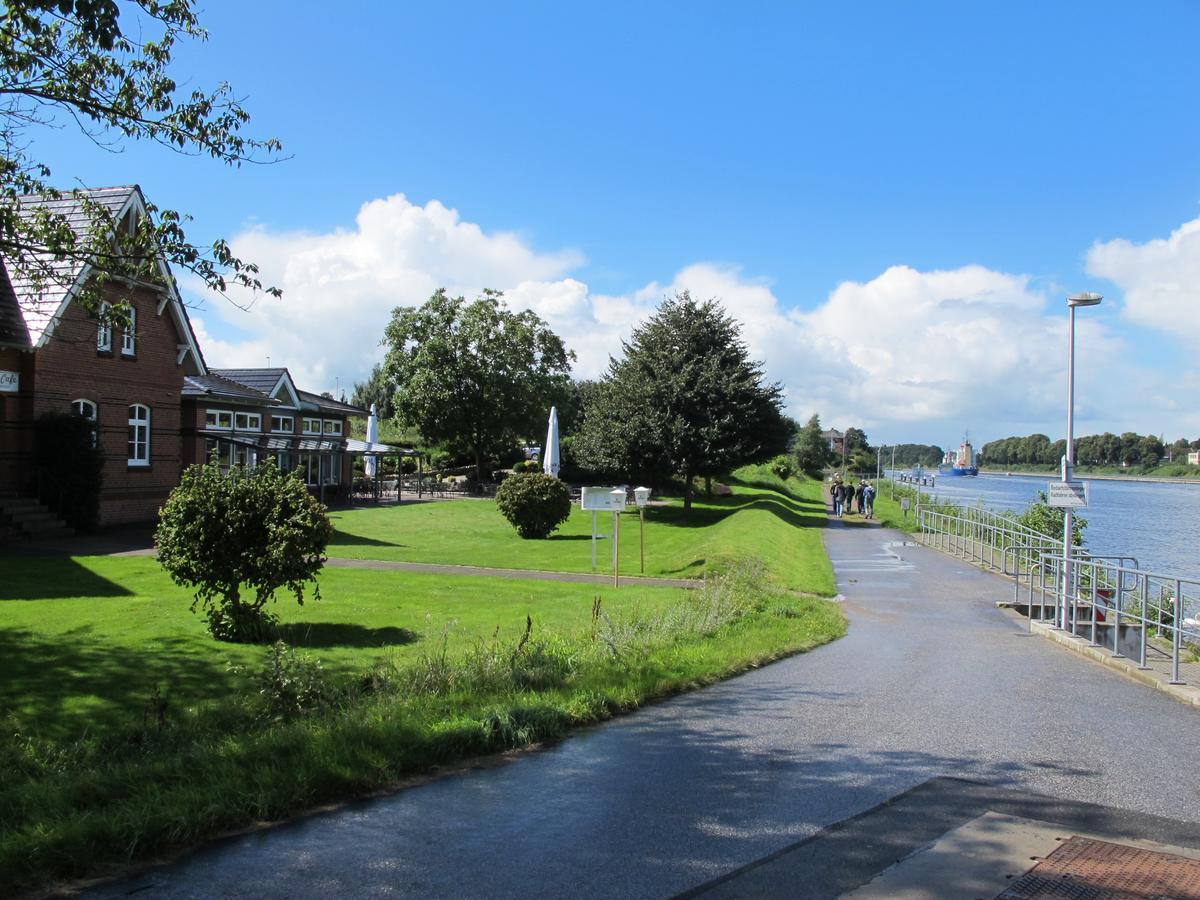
x,y
932,680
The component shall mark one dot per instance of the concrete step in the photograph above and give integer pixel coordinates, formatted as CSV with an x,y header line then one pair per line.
x,y
32,518
49,530
20,505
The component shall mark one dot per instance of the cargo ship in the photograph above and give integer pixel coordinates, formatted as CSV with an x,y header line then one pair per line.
x,y
960,461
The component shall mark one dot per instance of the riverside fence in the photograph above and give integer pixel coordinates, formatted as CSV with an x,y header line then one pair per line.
x,y
1108,599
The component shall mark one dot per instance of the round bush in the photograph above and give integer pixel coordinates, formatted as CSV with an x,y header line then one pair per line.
x,y
535,503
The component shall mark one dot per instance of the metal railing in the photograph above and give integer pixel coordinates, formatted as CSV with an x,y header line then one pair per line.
x,y
1110,600
981,536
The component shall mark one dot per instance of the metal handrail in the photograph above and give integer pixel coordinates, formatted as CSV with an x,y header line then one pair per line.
x,y
1084,591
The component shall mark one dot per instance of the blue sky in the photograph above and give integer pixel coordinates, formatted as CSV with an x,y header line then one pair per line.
x,y
778,155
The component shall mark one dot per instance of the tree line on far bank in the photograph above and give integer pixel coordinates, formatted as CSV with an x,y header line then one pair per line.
x,y
1124,450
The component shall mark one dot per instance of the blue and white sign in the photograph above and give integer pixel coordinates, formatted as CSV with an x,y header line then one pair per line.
x,y
10,382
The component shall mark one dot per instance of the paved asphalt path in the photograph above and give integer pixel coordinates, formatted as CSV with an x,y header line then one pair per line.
x,y
932,680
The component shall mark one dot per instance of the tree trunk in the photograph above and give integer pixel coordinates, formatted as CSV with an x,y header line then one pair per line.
x,y
479,463
687,489
707,485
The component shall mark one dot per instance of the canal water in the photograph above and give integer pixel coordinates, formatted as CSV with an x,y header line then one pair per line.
x,y
1157,522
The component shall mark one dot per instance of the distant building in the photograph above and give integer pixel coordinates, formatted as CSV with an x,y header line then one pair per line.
x,y
835,439
1194,457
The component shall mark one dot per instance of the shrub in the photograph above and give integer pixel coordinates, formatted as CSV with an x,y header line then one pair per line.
x,y
289,684
783,468
535,503
260,529
527,465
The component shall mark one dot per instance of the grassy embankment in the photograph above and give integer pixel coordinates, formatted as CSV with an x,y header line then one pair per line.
x,y
760,519
127,732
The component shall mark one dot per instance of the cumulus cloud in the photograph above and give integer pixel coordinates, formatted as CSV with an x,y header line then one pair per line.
x,y
967,348
339,288
1160,279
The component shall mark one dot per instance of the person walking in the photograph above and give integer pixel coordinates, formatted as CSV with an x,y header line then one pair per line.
x,y
858,496
835,493
869,499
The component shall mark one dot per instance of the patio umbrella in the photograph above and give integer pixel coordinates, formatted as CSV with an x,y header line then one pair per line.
x,y
550,465
369,461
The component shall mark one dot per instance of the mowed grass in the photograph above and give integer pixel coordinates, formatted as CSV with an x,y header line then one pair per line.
x,y
86,641
776,522
127,732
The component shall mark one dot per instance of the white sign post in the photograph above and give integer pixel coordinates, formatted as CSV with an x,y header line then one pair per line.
x,y
598,499
1067,494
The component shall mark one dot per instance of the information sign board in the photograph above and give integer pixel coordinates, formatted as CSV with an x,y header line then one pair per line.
x,y
1067,494
10,382
603,499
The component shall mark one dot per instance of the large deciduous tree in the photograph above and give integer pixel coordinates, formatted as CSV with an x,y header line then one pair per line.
x,y
474,374
685,400
104,67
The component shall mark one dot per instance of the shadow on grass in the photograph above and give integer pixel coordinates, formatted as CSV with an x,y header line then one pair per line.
x,y
67,685
340,634
34,578
569,537
345,539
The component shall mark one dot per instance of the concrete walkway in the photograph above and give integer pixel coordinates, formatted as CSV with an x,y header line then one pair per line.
x,y
932,682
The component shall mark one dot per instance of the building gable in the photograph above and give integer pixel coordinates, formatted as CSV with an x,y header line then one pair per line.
x,y
42,307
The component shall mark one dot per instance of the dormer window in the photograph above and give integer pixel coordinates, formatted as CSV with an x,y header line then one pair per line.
x,y
104,330
129,335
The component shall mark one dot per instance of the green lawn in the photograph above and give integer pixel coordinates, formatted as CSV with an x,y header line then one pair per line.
x,y
780,528
126,731
85,641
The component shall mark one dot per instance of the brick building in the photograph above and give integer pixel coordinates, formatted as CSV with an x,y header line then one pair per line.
x,y
155,404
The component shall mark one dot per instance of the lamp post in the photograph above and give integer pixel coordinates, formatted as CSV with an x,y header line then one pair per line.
x,y
1068,460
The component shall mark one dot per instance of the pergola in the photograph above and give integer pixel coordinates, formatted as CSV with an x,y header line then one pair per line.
x,y
355,447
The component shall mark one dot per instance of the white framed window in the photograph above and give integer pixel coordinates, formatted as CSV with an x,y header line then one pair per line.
x,y
308,464
244,456
333,426
129,335
104,330
283,423
139,435
247,421
312,426
218,418
86,409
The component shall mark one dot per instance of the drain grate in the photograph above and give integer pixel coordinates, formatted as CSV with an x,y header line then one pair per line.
x,y
1086,869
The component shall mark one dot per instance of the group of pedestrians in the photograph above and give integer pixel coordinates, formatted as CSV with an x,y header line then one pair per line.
x,y
846,496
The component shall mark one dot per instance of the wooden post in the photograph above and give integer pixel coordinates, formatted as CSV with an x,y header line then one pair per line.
x,y
642,536
616,549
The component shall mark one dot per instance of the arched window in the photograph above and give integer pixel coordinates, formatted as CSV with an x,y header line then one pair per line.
x,y
104,330
139,435
129,335
86,409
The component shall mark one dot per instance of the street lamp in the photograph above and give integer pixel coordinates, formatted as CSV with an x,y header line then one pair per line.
x,y
1068,460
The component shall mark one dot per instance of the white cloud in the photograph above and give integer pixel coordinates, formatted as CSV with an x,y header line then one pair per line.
x,y
1160,279
921,355
339,288
911,355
